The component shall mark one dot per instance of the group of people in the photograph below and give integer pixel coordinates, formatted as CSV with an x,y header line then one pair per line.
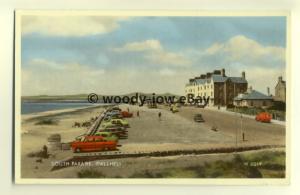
x,y
138,114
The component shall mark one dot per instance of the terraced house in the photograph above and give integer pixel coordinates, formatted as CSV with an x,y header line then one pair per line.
x,y
220,88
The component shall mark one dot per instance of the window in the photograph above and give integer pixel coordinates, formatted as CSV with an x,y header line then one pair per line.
x,y
90,139
264,103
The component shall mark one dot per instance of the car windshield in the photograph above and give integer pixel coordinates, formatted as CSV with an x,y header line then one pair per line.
x,y
89,139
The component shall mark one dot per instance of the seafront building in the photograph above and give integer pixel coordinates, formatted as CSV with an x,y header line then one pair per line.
x,y
220,88
253,98
280,90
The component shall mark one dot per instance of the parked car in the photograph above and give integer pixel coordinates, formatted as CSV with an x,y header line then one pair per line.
x,y
264,117
116,108
112,116
126,114
198,118
112,112
174,108
110,122
93,143
108,136
120,132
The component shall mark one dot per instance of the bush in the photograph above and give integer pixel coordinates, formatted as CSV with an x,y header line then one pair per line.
x,y
40,154
280,106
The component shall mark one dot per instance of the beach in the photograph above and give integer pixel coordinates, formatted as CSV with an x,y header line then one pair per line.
x,y
148,132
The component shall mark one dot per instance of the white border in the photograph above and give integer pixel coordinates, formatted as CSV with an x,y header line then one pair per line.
x,y
17,162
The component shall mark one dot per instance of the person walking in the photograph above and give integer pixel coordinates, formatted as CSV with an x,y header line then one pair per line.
x,y
45,151
138,113
159,115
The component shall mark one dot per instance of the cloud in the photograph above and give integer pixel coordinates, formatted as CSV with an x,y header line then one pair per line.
x,y
244,50
147,66
148,45
153,51
69,25
263,64
41,76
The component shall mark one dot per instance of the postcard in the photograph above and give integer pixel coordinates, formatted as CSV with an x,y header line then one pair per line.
x,y
152,97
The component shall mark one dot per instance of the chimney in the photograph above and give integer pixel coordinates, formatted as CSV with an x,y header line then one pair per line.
x,y
268,91
208,75
223,72
244,75
280,79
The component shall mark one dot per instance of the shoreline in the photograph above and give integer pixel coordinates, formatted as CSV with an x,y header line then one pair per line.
x,y
56,112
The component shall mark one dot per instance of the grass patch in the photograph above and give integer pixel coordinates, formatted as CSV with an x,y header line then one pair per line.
x,y
263,164
47,121
268,164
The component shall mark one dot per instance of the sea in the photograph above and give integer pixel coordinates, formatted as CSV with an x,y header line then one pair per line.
x,y
35,107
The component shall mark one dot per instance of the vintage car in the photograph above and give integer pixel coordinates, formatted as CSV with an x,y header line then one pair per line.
x,y
110,122
174,108
93,143
263,117
112,112
116,108
198,118
108,136
109,117
120,132
126,114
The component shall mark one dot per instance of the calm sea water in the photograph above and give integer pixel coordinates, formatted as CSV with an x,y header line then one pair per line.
x,y
33,107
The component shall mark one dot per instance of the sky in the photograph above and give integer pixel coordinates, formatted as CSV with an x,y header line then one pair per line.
x,y
117,55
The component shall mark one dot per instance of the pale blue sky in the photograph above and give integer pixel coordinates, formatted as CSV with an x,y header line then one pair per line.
x,y
166,50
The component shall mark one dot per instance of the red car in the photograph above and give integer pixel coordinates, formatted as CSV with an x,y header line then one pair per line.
x,y
126,114
92,143
263,117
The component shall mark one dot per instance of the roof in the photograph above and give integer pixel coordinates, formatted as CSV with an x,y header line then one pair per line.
x,y
216,78
253,95
238,79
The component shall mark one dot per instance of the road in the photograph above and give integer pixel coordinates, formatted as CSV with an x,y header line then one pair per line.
x,y
179,130
255,132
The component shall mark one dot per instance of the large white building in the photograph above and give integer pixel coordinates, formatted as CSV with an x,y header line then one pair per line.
x,y
217,86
